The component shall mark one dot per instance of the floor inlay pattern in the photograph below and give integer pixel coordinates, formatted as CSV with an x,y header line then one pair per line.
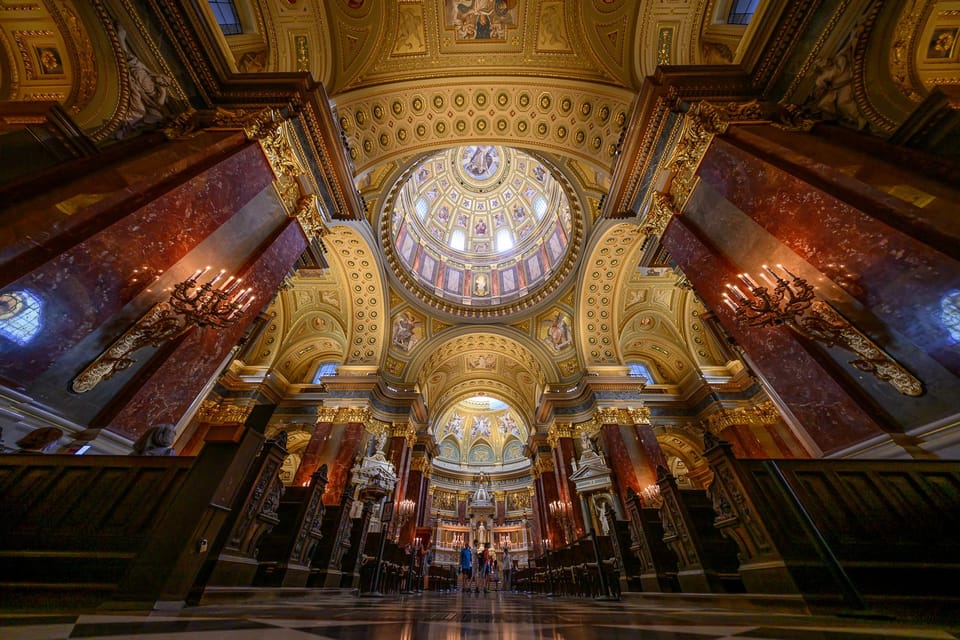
x,y
456,616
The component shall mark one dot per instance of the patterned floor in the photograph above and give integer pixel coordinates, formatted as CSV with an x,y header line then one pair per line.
x,y
494,616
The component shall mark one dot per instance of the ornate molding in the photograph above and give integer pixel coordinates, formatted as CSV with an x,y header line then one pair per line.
x,y
326,414
659,215
702,121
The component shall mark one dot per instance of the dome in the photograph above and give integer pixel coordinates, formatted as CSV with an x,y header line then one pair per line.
x,y
480,227
481,432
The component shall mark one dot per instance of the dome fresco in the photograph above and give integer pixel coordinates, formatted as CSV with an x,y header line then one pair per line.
x,y
481,225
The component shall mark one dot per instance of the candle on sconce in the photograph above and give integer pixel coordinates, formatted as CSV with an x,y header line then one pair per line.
x,y
730,303
747,280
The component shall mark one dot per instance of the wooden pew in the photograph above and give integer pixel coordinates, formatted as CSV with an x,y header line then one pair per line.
x,y
118,531
286,551
706,561
658,564
850,532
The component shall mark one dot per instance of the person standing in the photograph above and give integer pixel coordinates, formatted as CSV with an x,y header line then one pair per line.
x,y
486,566
466,566
506,569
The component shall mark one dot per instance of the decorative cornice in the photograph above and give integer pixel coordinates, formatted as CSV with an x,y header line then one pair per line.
x,y
344,415
764,413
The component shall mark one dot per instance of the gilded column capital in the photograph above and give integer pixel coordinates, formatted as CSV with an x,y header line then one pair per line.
x,y
764,413
404,430
420,463
223,412
347,415
702,121
543,464
639,415
326,414
376,427
559,430
612,415
661,211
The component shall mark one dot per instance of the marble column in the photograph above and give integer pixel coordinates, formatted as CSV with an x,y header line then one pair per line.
x,y
313,453
564,455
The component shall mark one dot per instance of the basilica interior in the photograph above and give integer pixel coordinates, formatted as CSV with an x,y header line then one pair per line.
x,y
659,299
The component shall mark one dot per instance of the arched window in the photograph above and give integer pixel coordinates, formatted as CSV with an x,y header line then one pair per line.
x,y
640,370
458,240
421,208
741,11
227,16
19,316
504,240
326,369
539,207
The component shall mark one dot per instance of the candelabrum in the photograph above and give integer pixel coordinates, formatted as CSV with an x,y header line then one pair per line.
x,y
404,512
776,301
190,304
560,511
650,495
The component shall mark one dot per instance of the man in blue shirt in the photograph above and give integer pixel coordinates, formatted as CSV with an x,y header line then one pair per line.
x,y
466,566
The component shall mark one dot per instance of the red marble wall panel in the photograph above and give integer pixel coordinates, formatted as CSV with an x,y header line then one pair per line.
x,y
901,280
547,492
67,211
313,454
651,455
827,412
83,287
171,387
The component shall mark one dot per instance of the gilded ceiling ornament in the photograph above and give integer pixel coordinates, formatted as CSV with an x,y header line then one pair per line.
x,y
904,45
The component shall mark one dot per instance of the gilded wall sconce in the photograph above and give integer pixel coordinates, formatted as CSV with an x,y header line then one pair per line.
x,y
793,303
190,304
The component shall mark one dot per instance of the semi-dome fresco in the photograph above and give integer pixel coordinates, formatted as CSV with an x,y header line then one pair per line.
x,y
481,225
481,431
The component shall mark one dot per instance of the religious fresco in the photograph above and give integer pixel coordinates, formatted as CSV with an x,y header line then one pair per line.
x,y
407,331
480,161
481,19
555,330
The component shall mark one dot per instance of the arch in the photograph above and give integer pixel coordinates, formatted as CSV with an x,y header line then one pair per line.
x,y
354,257
430,115
608,263
680,443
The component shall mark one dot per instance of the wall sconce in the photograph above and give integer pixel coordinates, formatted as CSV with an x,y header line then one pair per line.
x,y
794,304
189,305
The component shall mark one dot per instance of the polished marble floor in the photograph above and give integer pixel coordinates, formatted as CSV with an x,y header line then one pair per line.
x,y
456,616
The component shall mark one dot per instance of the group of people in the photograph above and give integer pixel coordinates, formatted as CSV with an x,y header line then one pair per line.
x,y
479,566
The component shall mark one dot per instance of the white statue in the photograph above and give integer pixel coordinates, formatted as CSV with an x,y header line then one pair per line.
x,y
604,521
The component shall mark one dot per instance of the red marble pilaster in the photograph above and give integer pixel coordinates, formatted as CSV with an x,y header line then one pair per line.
x,y
90,282
547,488
901,280
565,453
820,403
168,390
349,442
651,455
313,454
619,459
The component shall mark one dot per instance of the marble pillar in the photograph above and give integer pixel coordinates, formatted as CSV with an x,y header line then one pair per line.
x,y
313,453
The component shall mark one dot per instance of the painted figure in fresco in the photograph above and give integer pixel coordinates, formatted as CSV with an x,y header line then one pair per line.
x,y
498,219
480,228
481,426
443,214
403,331
480,285
559,334
519,213
455,424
